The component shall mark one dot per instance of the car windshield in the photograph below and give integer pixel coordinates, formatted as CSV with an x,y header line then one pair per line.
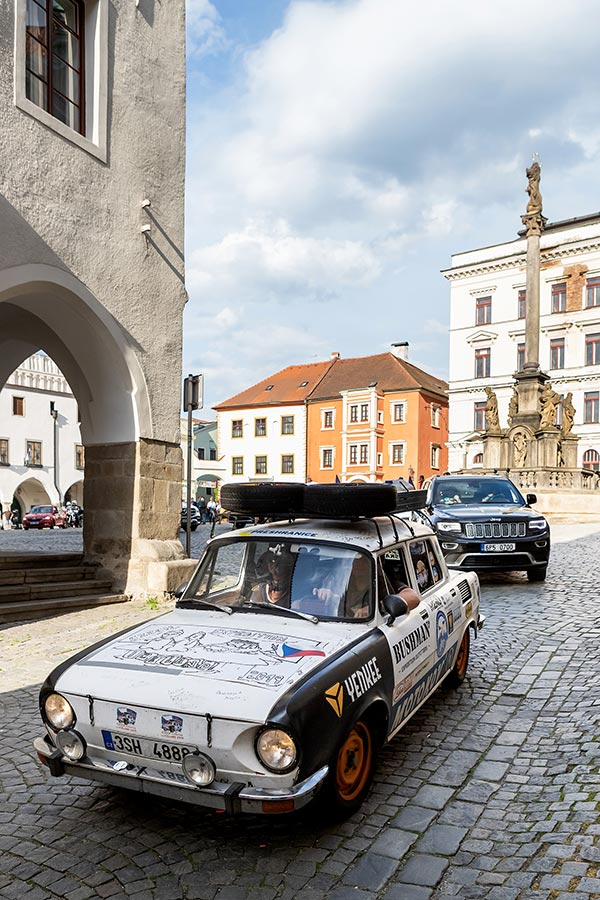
x,y
41,509
316,579
476,491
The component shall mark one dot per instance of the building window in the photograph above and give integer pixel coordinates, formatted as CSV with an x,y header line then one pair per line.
x,y
479,415
354,413
287,424
482,363
353,454
260,465
398,454
364,454
435,456
483,310
399,412
237,428
592,349
364,412
478,459
520,357
521,307
3,452
592,293
327,418
591,407
558,302
327,459
213,453
33,453
435,416
557,353
79,456
379,417
237,465
591,460
260,427
18,404
200,452
379,460
287,465
54,46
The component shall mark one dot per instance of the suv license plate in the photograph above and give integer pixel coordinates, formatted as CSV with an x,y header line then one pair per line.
x,y
151,749
497,548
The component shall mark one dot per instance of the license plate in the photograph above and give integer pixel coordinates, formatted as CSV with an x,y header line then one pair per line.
x,y
146,747
497,548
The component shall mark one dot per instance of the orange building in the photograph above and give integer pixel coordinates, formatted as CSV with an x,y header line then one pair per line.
x,y
376,418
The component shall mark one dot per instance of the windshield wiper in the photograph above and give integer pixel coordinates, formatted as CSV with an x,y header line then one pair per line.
x,y
279,610
192,602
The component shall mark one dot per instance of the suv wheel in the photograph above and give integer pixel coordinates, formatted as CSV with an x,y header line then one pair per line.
x,y
537,574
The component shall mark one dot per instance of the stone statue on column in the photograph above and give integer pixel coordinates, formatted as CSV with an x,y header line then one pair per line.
x,y
549,400
568,415
533,220
513,406
492,420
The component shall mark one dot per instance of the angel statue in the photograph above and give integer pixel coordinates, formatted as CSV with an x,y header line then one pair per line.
x,y
492,421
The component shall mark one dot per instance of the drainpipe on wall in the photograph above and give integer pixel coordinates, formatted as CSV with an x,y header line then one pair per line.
x,y
54,414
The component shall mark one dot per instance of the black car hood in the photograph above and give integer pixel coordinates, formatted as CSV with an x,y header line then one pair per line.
x,y
483,512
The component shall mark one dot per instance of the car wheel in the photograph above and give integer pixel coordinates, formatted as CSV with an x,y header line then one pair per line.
x,y
52,524
193,526
351,772
537,574
263,499
350,499
458,673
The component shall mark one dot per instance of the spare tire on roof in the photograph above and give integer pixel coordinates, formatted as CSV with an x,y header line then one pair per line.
x,y
263,499
349,499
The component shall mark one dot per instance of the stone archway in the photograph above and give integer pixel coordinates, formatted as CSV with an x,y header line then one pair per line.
x,y
31,492
75,493
133,482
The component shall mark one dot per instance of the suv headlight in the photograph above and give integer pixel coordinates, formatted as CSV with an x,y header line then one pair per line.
x,y
538,524
58,712
276,750
449,526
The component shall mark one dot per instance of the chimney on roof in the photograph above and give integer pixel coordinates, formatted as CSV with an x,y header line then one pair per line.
x,y
335,355
401,350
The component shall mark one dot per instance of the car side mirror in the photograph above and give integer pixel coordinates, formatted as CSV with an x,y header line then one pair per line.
x,y
395,606
531,499
179,591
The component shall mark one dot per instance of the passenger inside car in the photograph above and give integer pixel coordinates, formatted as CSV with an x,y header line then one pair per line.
x,y
396,580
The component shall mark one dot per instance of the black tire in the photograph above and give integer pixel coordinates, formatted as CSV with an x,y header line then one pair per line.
x,y
349,499
276,499
459,670
193,526
537,574
351,772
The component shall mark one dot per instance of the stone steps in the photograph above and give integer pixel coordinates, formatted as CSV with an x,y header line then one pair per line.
x,y
37,609
46,574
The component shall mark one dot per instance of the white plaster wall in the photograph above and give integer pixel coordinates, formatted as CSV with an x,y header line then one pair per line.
x,y
65,208
274,445
500,273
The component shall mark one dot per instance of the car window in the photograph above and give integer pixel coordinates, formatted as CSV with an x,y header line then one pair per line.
x,y
419,553
434,562
393,566
472,492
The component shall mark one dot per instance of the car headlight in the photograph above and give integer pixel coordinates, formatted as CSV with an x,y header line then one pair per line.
x,y
71,745
449,526
58,712
538,524
276,750
198,769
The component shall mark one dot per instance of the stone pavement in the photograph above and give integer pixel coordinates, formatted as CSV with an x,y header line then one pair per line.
x,y
491,791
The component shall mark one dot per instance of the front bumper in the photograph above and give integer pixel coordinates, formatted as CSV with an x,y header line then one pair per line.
x,y
461,553
220,796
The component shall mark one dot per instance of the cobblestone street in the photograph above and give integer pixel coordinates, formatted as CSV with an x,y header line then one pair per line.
x,y
491,791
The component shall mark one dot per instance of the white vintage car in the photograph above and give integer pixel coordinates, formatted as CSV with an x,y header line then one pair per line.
x,y
290,658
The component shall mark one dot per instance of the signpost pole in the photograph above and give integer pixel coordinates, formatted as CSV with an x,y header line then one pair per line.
x,y
192,399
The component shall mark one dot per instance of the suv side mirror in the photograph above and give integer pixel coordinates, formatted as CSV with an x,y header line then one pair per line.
x,y
178,592
395,606
531,499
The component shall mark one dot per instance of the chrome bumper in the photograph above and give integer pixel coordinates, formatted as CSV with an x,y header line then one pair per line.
x,y
231,798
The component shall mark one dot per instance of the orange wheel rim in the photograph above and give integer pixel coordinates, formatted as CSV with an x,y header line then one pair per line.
x,y
354,762
463,655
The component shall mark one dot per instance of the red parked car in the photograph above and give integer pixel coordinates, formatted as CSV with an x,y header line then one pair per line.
x,y
45,517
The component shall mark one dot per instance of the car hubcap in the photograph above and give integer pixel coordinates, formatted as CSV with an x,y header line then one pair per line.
x,y
354,762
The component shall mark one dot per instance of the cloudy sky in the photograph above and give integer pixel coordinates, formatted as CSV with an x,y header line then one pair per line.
x,y
339,151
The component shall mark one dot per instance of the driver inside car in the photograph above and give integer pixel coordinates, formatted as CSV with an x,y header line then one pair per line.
x,y
274,587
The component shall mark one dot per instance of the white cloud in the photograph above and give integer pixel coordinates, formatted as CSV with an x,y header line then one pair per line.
x,y
204,31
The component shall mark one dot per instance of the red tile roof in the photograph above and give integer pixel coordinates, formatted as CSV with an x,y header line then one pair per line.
x,y
388,372
286,386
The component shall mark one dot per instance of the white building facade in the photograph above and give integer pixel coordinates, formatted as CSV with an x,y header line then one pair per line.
x,y
487,333
41,452
265,443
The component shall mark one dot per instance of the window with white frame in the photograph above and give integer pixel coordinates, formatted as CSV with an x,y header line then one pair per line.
x,y
327,418
353,454
354,412
379,460
592,291
557,353
33,453
327,457
364,454
398,453
399,411
435,416
379,417
482,362
591,460
435,456
364,412
558,299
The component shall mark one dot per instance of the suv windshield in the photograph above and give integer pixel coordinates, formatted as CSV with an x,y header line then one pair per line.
x,y
495,491
317,579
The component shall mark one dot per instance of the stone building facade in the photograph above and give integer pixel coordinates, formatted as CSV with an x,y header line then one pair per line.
x,y
92,158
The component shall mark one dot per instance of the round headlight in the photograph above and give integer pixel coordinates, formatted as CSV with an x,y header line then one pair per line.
x,y
198,769
70,745
276,749
58,711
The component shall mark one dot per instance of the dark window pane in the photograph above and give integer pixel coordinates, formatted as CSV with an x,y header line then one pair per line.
x,y
66,46
36,90
36,21
65,11
65,111
65,80
36,57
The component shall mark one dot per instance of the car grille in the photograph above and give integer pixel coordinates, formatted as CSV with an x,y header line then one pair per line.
x,y
495,529
508,561
464,590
